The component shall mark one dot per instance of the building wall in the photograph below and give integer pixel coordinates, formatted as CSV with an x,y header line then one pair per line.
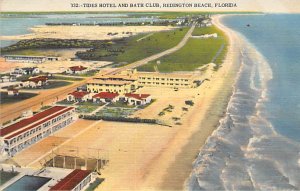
x,y
25,59
165,81
83,183
27,138
133,101
121,89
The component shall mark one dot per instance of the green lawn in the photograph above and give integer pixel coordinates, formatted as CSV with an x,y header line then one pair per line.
x,y
124,51
196,53
4,98
65,102
207,30
56,84
31,52
89,103
67,78
130,49
86,108
6,176
120,104
115,112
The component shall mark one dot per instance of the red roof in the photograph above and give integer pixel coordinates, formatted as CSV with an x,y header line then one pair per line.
x,y
106,95
77,68
39,123
79,94
71,180
137,96
25,122
37,79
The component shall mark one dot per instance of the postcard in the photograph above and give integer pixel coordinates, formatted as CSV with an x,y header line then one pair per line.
x,y
149,95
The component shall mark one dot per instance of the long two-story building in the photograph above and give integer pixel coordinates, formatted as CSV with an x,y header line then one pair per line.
x,y
114,83
172,80
29,59
20,135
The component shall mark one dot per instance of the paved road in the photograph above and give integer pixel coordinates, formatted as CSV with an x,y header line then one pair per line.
x,y
12,111
156,56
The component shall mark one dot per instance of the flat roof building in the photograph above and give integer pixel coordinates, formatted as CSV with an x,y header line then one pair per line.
x,y
113,83
22,134
29,59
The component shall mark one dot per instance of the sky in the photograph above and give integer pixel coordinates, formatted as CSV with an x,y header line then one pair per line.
x,y
281,6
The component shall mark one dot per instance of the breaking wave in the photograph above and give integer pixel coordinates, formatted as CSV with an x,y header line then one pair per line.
x,y
245,152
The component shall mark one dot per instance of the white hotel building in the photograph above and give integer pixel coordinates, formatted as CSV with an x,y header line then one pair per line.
x,y
18,136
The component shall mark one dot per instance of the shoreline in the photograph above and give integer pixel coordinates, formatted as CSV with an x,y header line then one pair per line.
x,y
172,168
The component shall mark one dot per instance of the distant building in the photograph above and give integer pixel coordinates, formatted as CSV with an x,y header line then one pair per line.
x,y
214,35
76,70
35,82
25,71
77,180
78,96
29,59
20,135
12,92
31,70
8,78
137,99
105,97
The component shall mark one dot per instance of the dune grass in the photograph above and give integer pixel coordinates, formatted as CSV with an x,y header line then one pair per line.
x,y
136,47
196,53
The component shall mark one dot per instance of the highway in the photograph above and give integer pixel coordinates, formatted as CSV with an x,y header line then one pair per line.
x,y
11,111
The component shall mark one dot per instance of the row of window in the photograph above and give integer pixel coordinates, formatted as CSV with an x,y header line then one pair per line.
x,y
36,138
158,83
106,90
107,85
163,79
34,130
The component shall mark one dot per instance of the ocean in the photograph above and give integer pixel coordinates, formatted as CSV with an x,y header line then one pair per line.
x,y
257,144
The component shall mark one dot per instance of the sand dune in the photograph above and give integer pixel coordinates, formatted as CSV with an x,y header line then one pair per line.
x,y
80,32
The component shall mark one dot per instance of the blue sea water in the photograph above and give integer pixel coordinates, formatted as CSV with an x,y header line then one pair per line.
x,y
257,145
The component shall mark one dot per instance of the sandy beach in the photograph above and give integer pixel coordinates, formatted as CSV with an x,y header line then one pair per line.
x,y
79,32
153,157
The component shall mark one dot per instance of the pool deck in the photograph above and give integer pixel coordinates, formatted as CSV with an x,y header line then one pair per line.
x,y
54,173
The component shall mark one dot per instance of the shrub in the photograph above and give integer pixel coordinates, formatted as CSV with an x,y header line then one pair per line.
x,y
189,102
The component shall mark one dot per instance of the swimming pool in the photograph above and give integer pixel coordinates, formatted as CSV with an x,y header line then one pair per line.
x,y
28,183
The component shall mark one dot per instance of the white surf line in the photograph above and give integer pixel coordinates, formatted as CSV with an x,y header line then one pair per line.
x,y
144,37
67,141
